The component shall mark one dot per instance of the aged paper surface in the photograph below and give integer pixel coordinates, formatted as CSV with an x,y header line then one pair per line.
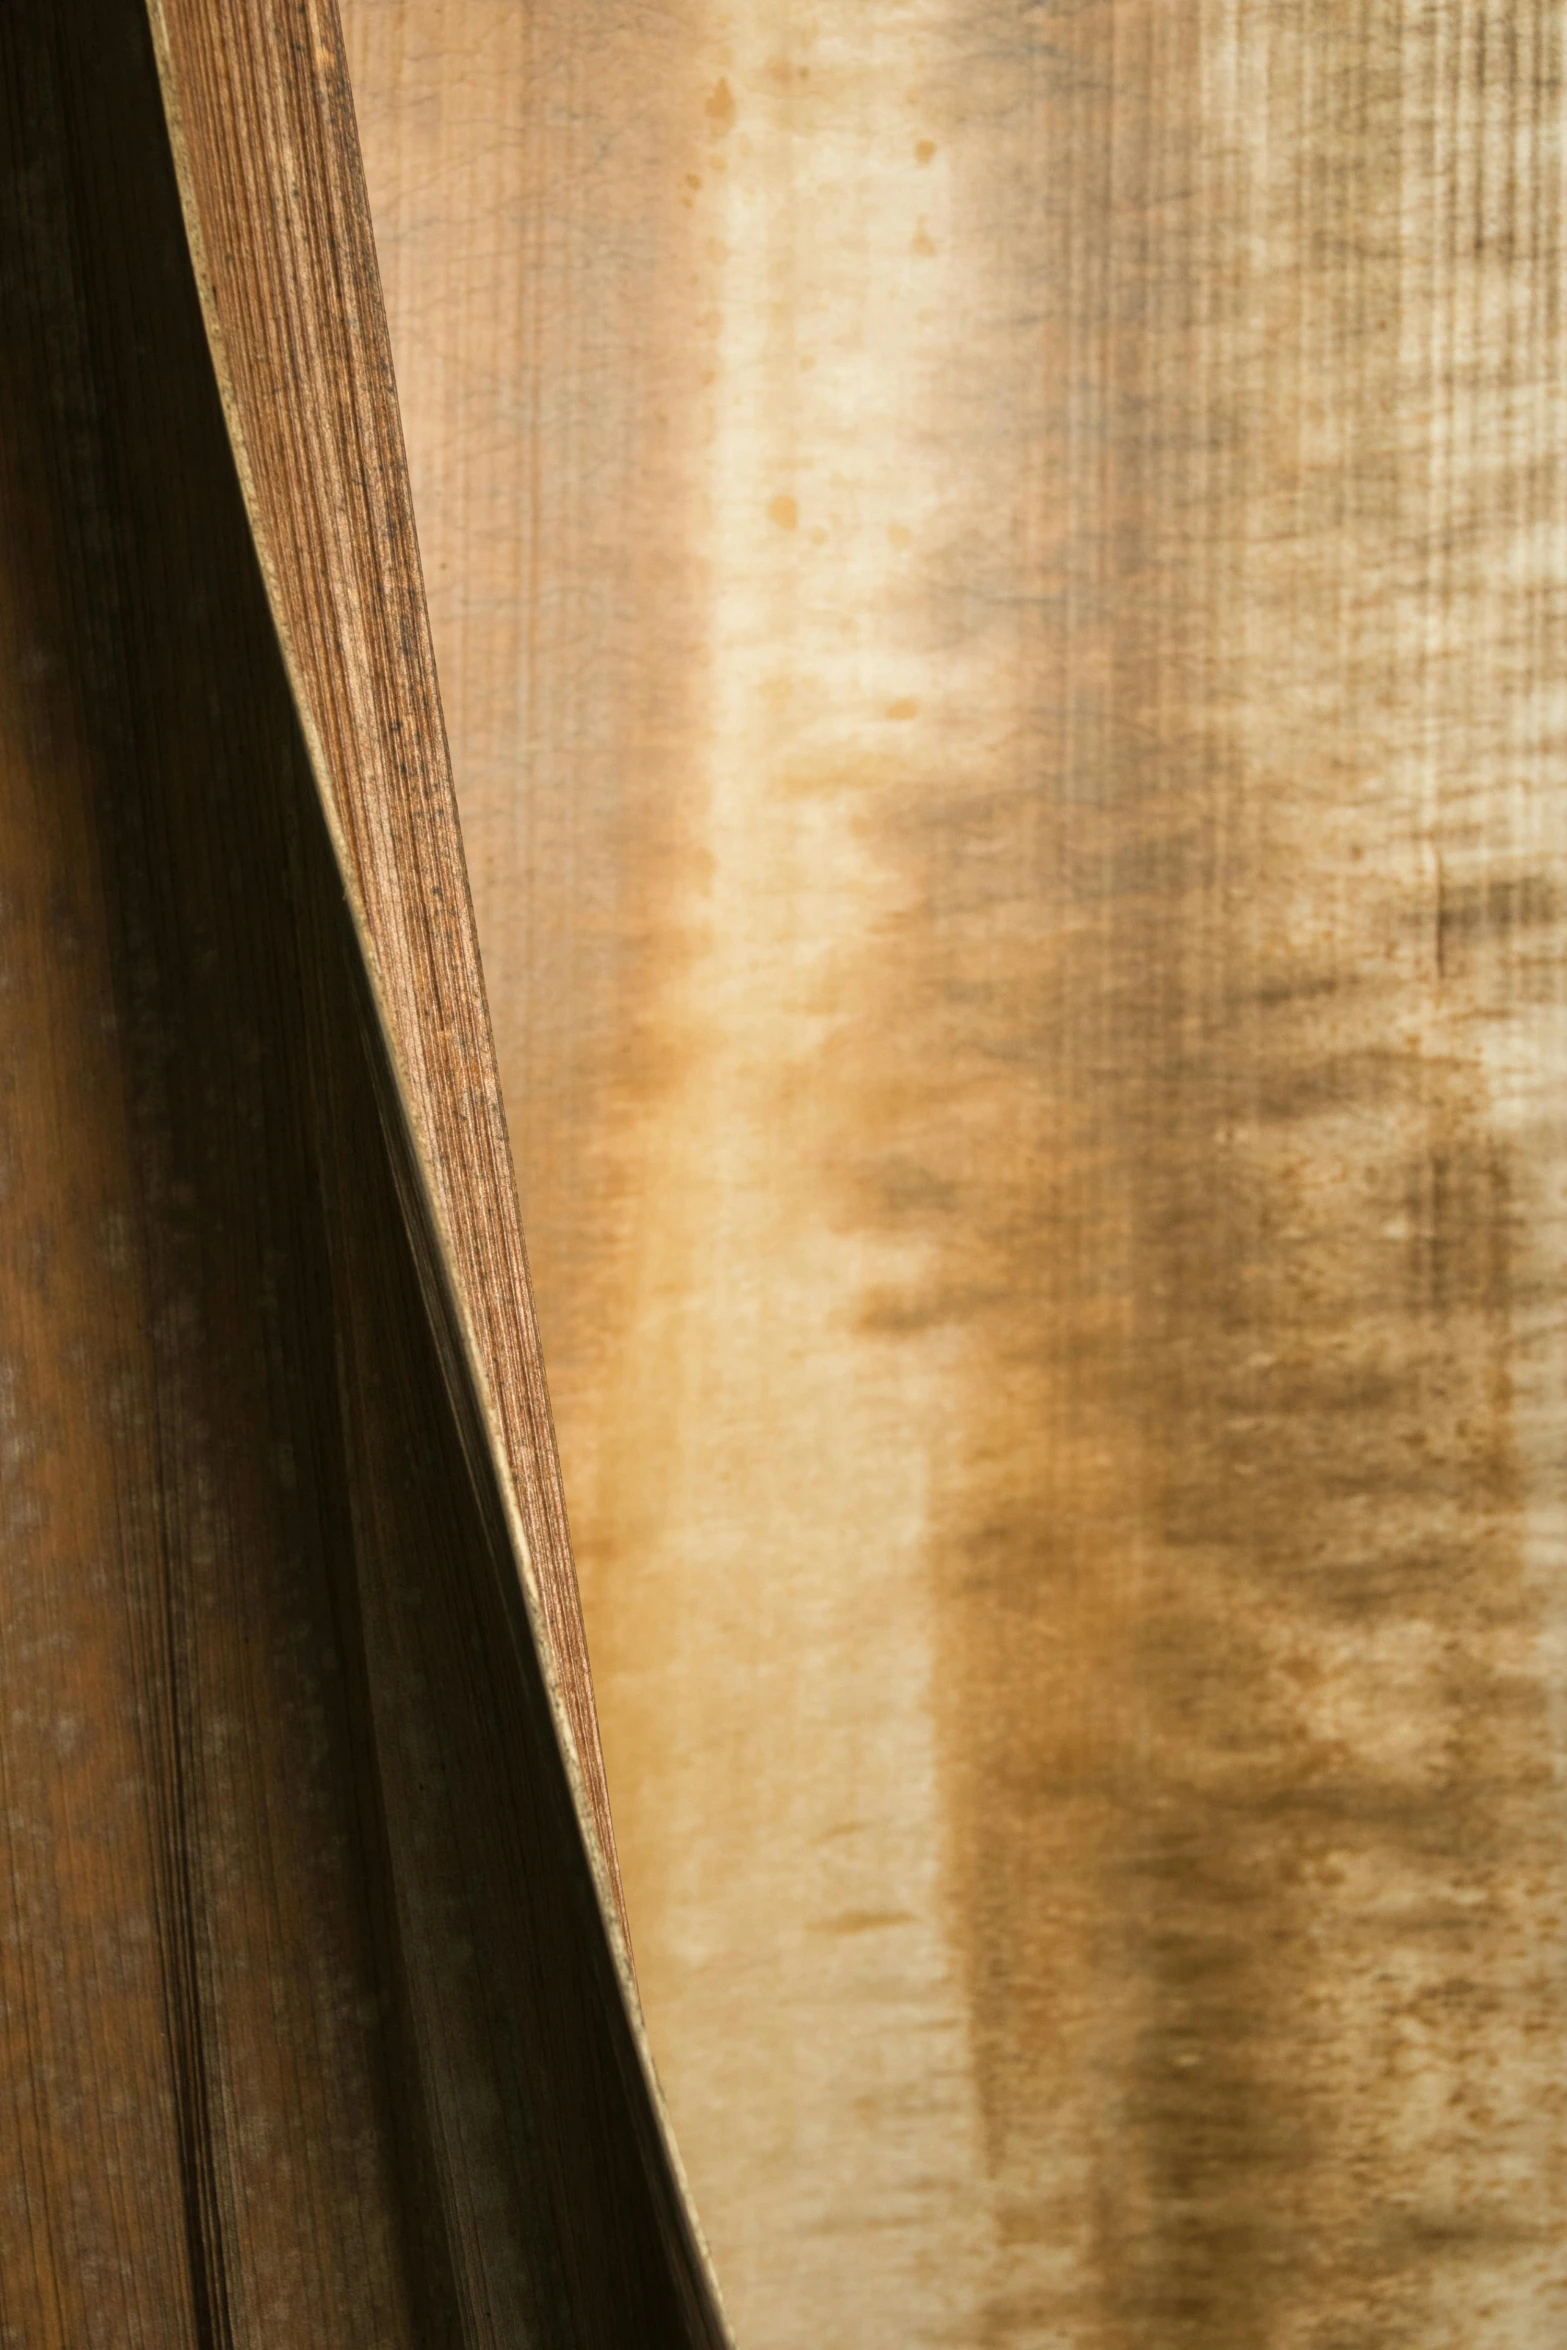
x,y
1000,593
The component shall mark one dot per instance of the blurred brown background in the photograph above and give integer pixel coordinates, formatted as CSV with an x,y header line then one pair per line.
x,y
1000,584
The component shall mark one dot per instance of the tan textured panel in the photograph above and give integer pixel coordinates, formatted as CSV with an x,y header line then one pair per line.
x,y
999,585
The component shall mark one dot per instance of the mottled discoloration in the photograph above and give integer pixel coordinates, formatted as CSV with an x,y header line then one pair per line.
x,y
1070,1447
550,444
1218,1118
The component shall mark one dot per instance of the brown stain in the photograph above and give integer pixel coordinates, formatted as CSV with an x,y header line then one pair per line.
x,y
525,181
1255,1839
608,570
1181,1106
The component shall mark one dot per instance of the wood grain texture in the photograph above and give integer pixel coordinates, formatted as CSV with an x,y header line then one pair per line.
x,y
1000,582
276,212
317,2026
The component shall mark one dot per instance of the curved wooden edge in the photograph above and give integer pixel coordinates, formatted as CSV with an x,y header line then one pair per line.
x,y
260,120
261,126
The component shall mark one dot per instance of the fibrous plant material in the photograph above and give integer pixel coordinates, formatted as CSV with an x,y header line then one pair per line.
x,y
316,2014
999,582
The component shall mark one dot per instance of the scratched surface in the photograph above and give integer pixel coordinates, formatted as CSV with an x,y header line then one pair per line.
x,y
1000,588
